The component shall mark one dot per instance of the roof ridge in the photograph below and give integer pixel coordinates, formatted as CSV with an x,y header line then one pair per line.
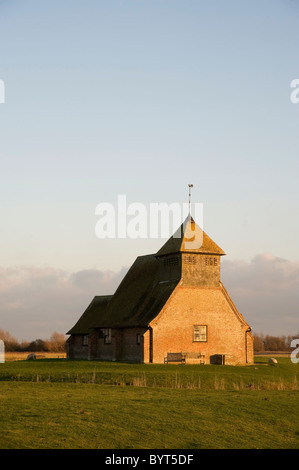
x,y
190,238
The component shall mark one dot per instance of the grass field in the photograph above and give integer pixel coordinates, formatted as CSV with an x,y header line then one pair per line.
x,y
57,404
21,356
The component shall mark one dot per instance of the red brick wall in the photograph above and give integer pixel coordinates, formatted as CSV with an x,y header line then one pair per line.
x,y
123,346
99,350
131,350
75,348
146,346
200,270
189,306
250,349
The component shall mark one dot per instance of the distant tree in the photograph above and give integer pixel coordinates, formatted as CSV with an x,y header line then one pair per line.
x,y
11,343
38,345
56,343
275,343
258,342
272,343
23,346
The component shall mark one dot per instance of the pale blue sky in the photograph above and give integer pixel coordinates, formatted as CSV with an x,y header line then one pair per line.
x,y
142,97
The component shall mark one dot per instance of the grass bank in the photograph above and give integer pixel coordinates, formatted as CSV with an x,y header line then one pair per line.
x,y
61,404
91,416
260,376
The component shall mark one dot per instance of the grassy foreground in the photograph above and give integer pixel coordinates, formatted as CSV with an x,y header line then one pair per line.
x,y
78,404
260,376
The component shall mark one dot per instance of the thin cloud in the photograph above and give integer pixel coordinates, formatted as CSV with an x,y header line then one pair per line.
x,y
102,282
266,292
36,301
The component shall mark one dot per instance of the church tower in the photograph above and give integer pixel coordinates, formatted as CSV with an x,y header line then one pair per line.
x,y
191,256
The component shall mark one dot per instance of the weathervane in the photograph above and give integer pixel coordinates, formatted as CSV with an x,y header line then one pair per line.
x,y
190,186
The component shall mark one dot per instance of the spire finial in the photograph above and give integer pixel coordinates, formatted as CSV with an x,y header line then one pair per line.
x,y
190,186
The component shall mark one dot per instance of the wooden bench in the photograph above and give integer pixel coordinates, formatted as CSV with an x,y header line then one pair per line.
x,y
175,357
195,356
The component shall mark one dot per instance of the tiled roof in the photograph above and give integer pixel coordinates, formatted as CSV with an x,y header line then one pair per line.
x,y
94,309
190,238
139,298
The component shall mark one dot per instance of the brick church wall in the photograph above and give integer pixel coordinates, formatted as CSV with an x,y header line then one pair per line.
x,y
124,346
200,269
99,350
132,345
76,348
189,306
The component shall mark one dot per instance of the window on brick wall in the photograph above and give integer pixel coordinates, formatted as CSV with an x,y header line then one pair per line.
x,y
200,333
85,340
190,259
107,338
210,261
106,334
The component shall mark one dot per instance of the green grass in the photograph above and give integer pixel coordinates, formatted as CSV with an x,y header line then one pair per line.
x,y
57,404
94,416
260,376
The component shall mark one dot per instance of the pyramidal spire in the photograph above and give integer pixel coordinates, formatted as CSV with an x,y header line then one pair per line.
x,y
190,238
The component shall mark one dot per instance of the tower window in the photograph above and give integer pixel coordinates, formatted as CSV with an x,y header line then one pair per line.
x,y
190,259
211,261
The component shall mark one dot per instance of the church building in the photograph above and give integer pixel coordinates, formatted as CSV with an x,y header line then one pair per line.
x,y
170,305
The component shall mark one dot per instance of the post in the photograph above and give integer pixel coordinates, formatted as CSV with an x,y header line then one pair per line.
x,y
190,186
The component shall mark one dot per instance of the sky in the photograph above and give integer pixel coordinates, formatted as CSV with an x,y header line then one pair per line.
x,y
141,98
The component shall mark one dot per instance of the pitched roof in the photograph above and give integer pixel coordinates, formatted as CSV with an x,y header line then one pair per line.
x,y
190,238
94,309
139,297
